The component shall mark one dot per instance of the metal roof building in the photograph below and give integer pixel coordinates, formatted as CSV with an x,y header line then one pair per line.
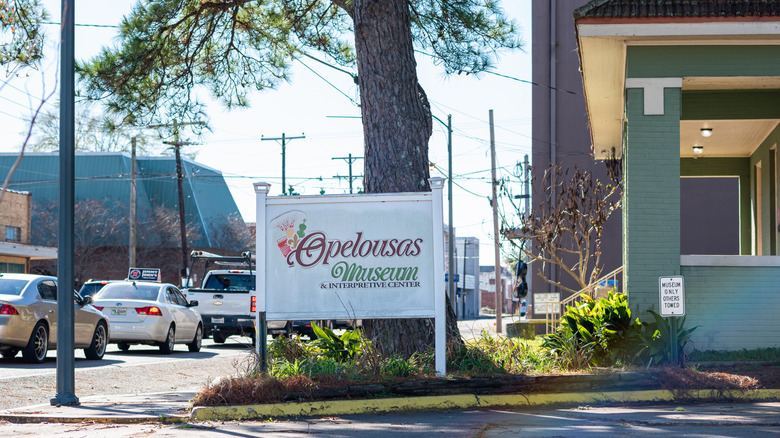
x,y
106,177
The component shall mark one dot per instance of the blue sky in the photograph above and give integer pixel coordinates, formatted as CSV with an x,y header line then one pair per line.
x,y
318,102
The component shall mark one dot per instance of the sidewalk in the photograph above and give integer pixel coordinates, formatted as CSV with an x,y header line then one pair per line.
x,y
162,407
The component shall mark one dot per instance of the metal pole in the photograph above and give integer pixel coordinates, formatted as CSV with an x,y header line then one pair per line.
x,y
66,381
133,196
451,231
499,291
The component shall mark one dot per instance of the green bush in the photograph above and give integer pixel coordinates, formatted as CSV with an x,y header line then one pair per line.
x,y
596,332
343,348
657,339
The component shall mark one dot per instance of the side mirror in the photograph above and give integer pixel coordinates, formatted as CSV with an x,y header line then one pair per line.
x,y
193,303
87,300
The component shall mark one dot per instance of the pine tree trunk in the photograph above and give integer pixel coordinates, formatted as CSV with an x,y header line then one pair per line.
x,y
397,125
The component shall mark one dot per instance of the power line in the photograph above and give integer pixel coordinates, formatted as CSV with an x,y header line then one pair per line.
x,y
82,24
329,83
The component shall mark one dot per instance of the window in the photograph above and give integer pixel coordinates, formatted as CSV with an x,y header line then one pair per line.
x,y
48,290
175,297
13,234
12,268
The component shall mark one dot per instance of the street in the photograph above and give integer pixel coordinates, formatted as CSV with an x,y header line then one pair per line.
x,y
142,369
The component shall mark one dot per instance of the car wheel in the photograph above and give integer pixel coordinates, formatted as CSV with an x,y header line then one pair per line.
x,y
38,346
167,346
194,346
124,346
219,338
10,353
97,349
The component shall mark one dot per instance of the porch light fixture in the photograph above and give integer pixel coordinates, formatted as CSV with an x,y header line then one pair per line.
x,y
697,151
706,132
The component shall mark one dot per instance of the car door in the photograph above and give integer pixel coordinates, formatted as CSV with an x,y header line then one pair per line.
x,y
179,313
84,322
190,314
46,307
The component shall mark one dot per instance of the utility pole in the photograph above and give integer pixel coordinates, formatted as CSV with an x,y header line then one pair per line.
x,y
451,227
349,159
180,186
527,207
463,289
283,140
494,184
133,200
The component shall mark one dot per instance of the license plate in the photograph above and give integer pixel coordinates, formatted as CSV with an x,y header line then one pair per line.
x,y
119,311
217,320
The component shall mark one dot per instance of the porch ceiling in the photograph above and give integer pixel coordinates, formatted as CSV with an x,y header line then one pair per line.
x,y
602,48
730,138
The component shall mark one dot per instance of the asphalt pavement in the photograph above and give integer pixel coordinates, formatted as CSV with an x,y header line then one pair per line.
x,y
175,406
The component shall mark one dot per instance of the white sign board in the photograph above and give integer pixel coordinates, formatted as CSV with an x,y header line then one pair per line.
x,y
352,257
672,296
546,302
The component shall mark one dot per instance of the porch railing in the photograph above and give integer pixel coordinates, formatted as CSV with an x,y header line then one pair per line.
x,y
554,310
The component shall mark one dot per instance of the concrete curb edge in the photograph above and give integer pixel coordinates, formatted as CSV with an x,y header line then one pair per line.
x,y
463,401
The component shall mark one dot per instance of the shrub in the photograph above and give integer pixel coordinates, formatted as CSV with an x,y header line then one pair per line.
x,y
596,332
657,339
345,347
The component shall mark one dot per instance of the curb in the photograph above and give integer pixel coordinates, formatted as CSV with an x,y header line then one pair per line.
x,y
29,419
463,401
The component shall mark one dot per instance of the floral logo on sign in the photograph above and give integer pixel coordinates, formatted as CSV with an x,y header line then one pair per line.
x,y
290,228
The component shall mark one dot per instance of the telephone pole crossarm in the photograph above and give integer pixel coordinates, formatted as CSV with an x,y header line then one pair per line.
x,y
283,142
350,160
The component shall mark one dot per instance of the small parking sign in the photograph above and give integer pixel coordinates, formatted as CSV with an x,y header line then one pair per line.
x,y
672,296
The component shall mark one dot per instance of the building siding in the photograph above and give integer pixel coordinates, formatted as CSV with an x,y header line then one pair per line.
x,y
681,61
651,211
733,307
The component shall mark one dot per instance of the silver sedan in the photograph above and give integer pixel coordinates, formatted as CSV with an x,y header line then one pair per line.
x,y
28,319
143,312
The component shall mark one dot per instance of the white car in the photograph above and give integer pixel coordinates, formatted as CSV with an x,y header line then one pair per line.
x,y
143,312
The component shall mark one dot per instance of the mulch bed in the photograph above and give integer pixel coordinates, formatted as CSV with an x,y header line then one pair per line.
x,y
718,377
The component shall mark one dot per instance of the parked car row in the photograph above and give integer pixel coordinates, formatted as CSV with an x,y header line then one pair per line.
x,y
124,312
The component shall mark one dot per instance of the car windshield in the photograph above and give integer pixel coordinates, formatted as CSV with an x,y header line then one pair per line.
x,y
231,282
10,286
128,291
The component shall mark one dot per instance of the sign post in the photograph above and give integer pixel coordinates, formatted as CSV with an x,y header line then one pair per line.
x,y
671,292
261,327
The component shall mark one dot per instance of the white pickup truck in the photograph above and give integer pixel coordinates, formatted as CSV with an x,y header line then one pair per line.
x,y
227,298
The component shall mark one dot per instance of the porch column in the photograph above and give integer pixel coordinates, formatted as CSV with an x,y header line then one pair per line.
x,y
651,192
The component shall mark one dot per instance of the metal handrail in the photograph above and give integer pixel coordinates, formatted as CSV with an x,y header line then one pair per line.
x,y
554,310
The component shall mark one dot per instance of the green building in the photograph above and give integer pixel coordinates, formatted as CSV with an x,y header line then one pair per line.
x,y
688,94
